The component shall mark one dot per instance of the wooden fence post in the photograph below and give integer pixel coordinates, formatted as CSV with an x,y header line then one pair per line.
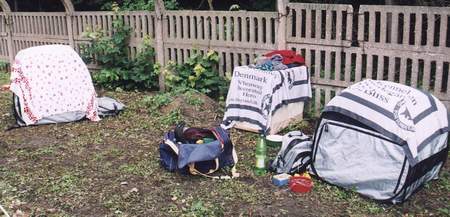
x,y
9,38
8,21
68,6
69,19
282,21
159,40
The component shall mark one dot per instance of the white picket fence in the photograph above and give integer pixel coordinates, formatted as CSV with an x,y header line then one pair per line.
x,y
405,44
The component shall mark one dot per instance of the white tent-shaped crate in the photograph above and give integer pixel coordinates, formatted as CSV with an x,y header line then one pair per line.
x,y
382,139
52,84
266,101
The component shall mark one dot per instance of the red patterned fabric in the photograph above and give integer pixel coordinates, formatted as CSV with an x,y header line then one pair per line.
x,y
50,80
289,57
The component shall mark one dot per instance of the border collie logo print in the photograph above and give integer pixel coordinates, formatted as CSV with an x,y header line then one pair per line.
x,y
290,80
402,116
266,104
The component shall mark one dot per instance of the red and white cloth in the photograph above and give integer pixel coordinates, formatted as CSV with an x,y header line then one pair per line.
x,y
51,80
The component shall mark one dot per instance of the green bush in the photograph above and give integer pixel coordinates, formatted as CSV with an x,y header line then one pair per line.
x,y
3,64
118,69
198,73
136,5
155,102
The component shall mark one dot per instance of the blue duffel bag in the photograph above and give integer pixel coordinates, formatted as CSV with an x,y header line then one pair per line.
x,y
179,151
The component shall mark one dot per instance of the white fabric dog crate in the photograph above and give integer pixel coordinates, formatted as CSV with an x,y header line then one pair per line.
x,y
381,139
266,101
52,84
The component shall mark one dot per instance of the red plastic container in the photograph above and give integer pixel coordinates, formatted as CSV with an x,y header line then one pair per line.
x,y
300,184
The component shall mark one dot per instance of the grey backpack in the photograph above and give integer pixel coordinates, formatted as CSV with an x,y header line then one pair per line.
x,y
109,107
294,155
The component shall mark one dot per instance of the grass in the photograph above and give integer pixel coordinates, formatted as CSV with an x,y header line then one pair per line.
x,y
173,117
191,99
4,78
111,168
65,183
155,102
445,181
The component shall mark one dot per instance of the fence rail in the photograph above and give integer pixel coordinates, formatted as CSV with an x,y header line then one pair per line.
x,y
418,29
405,44
237,36
408,45
325,24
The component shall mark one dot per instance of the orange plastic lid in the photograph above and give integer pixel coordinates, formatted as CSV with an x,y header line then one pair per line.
x,y
300,184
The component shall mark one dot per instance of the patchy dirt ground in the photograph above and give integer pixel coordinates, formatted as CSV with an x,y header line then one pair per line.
x,y
111,168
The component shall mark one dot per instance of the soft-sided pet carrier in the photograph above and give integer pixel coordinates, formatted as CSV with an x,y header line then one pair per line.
x,y
381,139
51,84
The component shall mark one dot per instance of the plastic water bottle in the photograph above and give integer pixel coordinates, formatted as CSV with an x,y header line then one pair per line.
x,y
261,158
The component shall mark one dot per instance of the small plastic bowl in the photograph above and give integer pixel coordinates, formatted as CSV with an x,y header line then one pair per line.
x,y
300,184
274,140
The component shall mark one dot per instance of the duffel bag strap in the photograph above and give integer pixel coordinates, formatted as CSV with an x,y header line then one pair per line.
x,y
226,141
194,171
234,172
172,145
